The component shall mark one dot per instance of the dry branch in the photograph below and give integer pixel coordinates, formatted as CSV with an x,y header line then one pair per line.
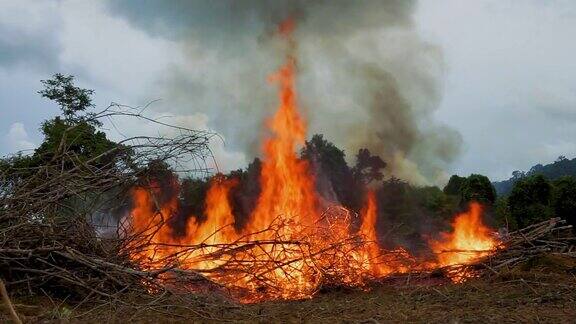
x,y
48,239
8,303
551,236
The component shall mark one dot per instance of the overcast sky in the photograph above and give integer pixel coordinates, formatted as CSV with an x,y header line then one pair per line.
x,y
508,86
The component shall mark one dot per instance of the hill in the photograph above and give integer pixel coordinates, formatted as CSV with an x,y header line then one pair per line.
x,y
559,168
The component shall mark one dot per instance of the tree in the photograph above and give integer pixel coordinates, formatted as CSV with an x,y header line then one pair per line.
x,y
71,99
530,200
192,196
368,167
478,188
564,199
70,140
503,218
396,206
454,185
436,202
244,196
559,168
516,175
75,132
333,176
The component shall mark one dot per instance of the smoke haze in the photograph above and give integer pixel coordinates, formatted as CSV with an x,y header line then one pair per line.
x,y
365,76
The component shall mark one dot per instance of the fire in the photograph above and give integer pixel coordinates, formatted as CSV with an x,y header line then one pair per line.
x,y
469,241
147,221
368,230
287,185
290,247
218,226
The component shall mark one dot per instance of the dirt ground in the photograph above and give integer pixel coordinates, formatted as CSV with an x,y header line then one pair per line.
x,y
543,291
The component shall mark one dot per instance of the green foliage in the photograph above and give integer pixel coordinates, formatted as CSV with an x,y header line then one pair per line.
x,y
559,168
76,133
564,199
408,212
332,171
79,137
71,99
368,167
70,140
436,202
478,188
530,200
454,185
503,218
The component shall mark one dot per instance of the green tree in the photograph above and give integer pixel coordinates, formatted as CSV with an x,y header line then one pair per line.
x,y
332,172
478,188
72,100
435,202
530,200
368,167
76,131
564,199
503,218
70,140
244,196
454,185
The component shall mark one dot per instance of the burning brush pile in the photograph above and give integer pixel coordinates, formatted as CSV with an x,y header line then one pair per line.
x,y
292,245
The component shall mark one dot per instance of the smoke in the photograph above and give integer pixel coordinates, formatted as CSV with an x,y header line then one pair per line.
x,y
366,78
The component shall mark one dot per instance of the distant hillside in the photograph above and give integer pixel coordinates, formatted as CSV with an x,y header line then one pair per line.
x,y
561,167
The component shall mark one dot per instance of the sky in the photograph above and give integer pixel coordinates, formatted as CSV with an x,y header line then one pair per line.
x,y
507,80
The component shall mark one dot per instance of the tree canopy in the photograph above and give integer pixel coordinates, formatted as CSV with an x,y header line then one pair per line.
x,y
71,99
564,199
530,200
478,188
454,185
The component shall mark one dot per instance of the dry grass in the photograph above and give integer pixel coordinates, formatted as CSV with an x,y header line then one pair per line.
x,y
541,290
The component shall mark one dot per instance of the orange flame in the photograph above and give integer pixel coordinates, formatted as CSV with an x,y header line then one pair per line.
x,y
287,185
469,241
368,230
219,217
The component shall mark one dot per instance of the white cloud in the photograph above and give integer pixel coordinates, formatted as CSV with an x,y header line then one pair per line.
x,y
109,52
35,14
17,138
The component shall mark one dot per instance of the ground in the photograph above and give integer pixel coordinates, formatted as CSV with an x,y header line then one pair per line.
x,y
540,291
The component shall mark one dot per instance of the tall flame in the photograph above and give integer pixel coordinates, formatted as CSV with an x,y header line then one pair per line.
x,y
287,185
368,230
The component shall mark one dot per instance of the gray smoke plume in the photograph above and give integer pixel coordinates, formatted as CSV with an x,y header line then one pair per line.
x,y
365,77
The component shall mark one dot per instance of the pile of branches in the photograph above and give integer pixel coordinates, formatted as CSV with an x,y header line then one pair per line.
x,y
283,260
49,242
548,237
